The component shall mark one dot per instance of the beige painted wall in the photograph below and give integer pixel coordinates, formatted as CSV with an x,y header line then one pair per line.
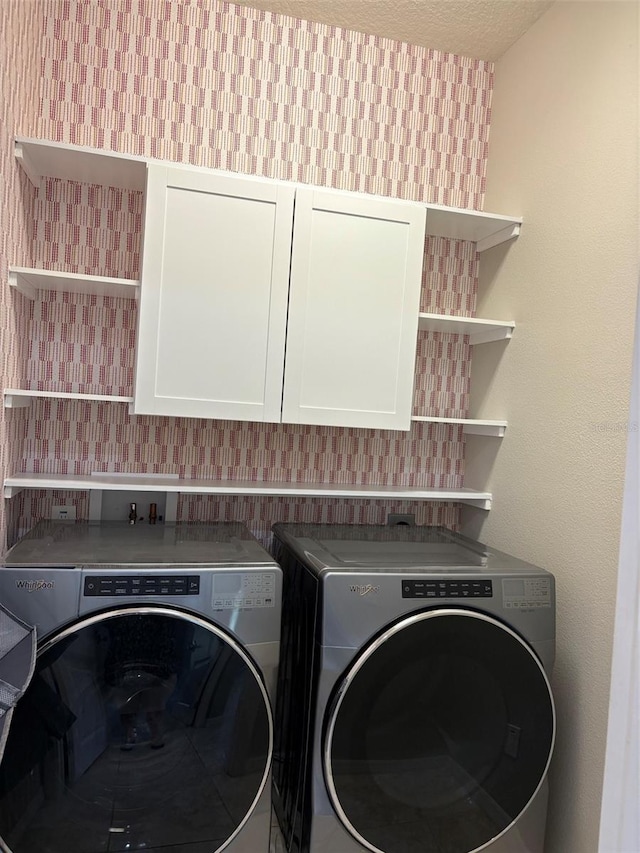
x,y
564,155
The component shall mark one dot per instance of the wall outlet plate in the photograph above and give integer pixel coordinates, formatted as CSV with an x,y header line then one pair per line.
x,y
64,513
395,519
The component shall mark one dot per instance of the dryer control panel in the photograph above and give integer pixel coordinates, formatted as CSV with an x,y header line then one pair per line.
x,y
125,585
447,589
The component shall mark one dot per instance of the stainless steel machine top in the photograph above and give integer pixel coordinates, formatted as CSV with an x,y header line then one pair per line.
x,y
119,544
374,548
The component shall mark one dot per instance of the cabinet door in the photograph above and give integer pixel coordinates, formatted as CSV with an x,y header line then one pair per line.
x,y
353,310
213,298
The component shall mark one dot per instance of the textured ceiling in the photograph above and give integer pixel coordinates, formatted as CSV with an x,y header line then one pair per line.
x,y
482,29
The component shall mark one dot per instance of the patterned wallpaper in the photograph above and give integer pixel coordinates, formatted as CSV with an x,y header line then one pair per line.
x,y
212,84
20,47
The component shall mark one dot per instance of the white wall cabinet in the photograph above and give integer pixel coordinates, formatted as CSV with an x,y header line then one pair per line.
x,y
229,273
213,296
356,274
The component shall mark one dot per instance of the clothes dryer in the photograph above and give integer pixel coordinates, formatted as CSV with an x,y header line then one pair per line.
x,y
414,713
148,723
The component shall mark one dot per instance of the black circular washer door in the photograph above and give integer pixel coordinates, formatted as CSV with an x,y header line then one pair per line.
x,y
439,735
142,729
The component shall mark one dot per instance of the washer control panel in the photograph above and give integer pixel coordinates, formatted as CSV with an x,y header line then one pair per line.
x,y
115,586
447,589
235,589
525,593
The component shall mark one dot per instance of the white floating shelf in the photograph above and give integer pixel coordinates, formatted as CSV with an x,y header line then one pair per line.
x,y
20,398
40,158
479,331
77,163
471,426
484,229
119,482
30,281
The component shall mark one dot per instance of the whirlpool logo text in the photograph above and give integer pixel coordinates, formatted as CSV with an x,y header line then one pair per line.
x,y
365,588
35,586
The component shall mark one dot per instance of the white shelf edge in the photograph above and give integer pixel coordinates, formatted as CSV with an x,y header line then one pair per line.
x,y
473,426
20,398
484,229
480,331
62,160
42,158
29,281
117,482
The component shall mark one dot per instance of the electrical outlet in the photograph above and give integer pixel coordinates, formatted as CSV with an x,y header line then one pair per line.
x,y
67,513
396,519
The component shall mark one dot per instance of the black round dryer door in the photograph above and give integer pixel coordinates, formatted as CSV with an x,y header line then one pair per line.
x,y
142,729
439,735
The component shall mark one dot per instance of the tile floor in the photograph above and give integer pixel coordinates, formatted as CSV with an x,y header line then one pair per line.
x,y
277,842
157,799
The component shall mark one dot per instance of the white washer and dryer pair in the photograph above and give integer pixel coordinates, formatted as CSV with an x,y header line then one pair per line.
x,y
414,710
148,722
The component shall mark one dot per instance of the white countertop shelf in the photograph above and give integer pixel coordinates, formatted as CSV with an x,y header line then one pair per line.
x,y
472,426
29,281
479,331
40,158
155,483
20,398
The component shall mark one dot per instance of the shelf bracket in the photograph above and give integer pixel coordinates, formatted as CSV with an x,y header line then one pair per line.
x,y
498,237
27,166
16,401
503,333
479,504
11,491
18,281
484,429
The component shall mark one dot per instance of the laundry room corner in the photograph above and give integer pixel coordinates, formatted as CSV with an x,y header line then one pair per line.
x,y
563,148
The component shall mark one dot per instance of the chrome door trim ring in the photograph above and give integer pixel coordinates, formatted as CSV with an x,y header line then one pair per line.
x,y
209,626
362,659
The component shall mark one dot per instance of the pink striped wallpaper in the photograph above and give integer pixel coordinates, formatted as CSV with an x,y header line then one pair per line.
x,y
21,34
212,84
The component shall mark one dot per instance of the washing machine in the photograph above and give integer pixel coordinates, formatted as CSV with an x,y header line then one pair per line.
x,y
148,722
414,712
